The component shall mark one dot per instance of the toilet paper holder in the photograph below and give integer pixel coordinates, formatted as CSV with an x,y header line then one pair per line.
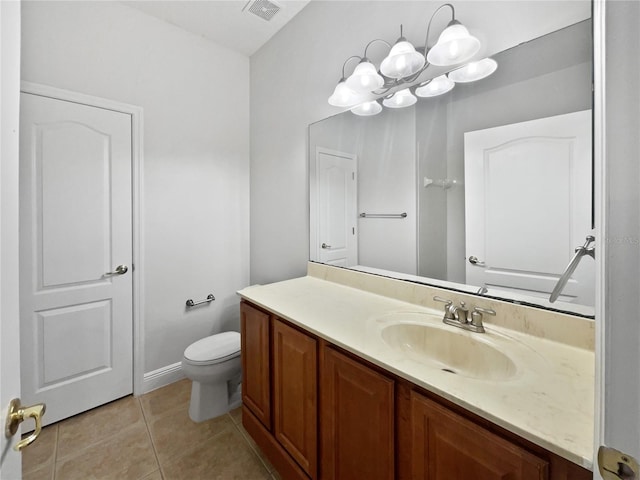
x,y
210,298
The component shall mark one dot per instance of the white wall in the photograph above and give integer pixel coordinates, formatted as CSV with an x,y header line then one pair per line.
x,y
195,97
385,149
295,72
387,184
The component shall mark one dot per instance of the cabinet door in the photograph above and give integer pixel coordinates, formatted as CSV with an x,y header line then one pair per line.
x,y
446,446
357,421
295,395
255,362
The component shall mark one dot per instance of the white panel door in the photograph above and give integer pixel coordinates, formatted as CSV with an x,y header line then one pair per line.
x,y
75,231
528,206
337,208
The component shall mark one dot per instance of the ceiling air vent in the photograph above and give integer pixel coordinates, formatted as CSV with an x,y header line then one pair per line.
x,y
264,9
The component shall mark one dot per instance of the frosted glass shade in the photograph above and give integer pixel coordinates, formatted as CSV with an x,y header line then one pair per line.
x,y
455,45
402,61
367,109
474,71
401,99
365,78
435,87
343,96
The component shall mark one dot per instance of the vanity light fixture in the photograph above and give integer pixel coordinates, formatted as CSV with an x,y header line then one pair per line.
x,y
403,60
343,96
474,71
400,99
367,109
404,64
365,78
455,44
435,87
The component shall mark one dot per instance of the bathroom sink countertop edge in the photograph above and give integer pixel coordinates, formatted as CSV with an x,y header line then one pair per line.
x,y
548,401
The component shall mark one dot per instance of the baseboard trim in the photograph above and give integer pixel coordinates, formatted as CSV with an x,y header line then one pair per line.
x,y
162,377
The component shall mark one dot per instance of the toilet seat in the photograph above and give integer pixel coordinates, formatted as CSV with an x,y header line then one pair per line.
x,y
214,349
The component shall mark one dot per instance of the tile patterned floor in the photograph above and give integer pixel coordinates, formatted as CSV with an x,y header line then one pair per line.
x,y
146,438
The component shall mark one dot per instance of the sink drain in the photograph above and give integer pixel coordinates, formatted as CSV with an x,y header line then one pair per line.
x,y
448,370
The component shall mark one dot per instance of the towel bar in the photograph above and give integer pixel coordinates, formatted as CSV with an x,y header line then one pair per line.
x,y
210,298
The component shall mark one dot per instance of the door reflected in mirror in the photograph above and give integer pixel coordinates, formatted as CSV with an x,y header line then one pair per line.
x,y
486,187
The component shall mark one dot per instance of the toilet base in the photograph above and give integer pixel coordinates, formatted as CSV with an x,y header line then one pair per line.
x,y
212,400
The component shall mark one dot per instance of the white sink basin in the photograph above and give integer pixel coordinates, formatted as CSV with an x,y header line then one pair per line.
x,y
452,350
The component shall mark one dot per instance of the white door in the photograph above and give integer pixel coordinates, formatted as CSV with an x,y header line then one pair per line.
x,y
528,206
75,255
10,465
337,243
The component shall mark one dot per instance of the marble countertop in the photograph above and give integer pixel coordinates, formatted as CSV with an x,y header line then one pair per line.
x,y
548,399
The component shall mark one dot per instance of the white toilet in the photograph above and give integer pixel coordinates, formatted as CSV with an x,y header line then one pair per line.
x,y
214,366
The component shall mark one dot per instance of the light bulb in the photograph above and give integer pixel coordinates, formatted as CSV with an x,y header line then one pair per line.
x,y
365,78
435,87
455,45
454,50
400,99
402,61
343,96
367,109
474,71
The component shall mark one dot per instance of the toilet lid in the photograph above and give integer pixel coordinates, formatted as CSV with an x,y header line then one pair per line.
x,y
214,349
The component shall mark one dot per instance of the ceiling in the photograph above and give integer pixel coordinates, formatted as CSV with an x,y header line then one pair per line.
x,y
222,22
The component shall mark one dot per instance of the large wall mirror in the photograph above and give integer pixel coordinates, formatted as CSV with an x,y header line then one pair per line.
x,y
486,189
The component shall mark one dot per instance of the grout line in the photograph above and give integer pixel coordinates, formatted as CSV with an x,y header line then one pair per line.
x,y
251,446
55,453
101,439
153,445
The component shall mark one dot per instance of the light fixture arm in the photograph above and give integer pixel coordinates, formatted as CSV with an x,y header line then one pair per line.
x,y
388,87
453,19
345,64
373,41
403,66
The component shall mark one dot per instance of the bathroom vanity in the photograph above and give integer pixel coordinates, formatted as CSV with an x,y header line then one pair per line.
x,y
350,375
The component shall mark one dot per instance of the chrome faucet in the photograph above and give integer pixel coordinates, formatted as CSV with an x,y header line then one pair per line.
x,y
458,315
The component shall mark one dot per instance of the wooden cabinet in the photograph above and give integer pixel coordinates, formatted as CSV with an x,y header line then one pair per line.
x,y
318,412
279,392
446,446
357,419
295,395
256,384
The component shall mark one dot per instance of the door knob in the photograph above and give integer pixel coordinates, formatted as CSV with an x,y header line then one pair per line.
x,y
324,245
474,261
120,270
18,414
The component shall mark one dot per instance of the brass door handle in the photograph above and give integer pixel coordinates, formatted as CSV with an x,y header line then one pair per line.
x,y
18,414
614,464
